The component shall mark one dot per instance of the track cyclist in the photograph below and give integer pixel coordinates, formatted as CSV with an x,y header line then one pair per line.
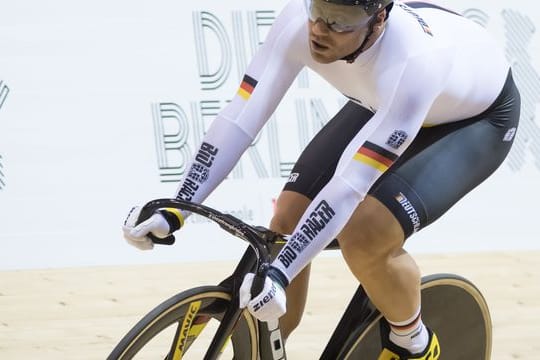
x,y
432,112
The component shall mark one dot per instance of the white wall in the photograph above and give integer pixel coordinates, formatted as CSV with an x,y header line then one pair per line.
x,y
85,87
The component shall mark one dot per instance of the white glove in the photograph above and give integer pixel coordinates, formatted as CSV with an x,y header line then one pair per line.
x,y
270,304
137,235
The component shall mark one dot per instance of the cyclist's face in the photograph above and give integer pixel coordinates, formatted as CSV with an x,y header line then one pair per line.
x,y
335,30
327,46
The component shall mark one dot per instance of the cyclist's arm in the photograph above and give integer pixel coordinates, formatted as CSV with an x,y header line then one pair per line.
x,y
365,159
267,79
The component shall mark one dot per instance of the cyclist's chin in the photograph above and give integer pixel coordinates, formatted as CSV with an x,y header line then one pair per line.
x,y
324,57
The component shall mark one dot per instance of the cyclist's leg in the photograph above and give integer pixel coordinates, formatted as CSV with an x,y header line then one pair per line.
x,y
371,244
314,168
290,206
430,177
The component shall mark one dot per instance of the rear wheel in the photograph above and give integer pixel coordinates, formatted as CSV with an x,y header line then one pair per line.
x,y
453,308
183,327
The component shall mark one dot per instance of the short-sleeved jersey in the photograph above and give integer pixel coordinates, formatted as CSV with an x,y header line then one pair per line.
x,y
429,67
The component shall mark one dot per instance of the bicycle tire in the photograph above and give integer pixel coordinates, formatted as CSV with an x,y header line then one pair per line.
x,y
452,307
205,303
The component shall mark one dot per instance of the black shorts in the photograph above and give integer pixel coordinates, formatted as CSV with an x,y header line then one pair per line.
x,y
442,164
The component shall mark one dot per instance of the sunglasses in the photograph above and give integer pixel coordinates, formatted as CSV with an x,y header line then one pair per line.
x,y
338,18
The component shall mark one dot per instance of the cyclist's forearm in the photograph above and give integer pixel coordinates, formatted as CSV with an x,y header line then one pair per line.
x,y
321,223
220,150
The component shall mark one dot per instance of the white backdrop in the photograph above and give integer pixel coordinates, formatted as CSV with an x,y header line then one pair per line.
x,y
102,101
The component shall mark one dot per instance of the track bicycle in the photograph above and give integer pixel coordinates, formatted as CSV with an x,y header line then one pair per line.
x,y
206,322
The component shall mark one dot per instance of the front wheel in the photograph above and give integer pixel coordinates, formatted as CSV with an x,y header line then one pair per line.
x,y
183,327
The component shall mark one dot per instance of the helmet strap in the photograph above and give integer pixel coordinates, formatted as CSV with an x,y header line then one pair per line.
x,y
352,56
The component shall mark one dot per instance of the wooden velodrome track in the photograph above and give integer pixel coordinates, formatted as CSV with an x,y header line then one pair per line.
x,y
80,313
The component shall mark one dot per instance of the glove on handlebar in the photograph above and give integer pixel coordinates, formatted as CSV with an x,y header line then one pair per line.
x,y
270,304
160,224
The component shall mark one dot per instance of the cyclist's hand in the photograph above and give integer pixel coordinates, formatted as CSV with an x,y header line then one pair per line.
x,y
136,235
270,304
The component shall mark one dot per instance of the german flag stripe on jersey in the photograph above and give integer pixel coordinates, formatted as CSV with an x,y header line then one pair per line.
x,y
375,156
246,87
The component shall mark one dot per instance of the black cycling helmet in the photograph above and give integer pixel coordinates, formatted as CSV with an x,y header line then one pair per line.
x,y
369,6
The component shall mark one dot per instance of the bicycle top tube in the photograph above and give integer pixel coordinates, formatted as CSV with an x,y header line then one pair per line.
x,y
257,237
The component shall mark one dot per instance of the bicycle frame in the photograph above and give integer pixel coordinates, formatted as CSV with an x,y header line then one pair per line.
x,y
359,314
255,259
271,344
357,334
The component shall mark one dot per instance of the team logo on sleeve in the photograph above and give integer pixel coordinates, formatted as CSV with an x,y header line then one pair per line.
x,y
299,242
312,226
375,156
199,171
397,139
246,87
286,256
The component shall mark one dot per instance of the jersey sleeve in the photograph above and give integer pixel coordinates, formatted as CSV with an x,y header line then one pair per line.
x,y
407,100
267,78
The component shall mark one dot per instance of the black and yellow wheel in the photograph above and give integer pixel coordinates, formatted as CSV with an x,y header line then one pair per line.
x,y
183,327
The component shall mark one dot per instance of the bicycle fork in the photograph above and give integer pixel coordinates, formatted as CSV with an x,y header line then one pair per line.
x,y
271,344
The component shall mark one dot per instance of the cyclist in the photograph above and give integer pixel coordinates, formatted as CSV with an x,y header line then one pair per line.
x,y
433,112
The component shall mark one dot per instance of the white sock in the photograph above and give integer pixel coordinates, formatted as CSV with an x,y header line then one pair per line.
x,y
410,334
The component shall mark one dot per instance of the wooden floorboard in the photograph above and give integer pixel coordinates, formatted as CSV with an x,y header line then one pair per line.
x,y
80,313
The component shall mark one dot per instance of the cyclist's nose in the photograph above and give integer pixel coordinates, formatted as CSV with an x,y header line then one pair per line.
x,y
319,27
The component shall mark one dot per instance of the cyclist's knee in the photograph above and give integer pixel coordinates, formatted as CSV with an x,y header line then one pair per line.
x,y
372,236
282,223
289,208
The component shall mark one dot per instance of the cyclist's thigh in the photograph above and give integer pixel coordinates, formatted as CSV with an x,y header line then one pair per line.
x,y
447,161
317,163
